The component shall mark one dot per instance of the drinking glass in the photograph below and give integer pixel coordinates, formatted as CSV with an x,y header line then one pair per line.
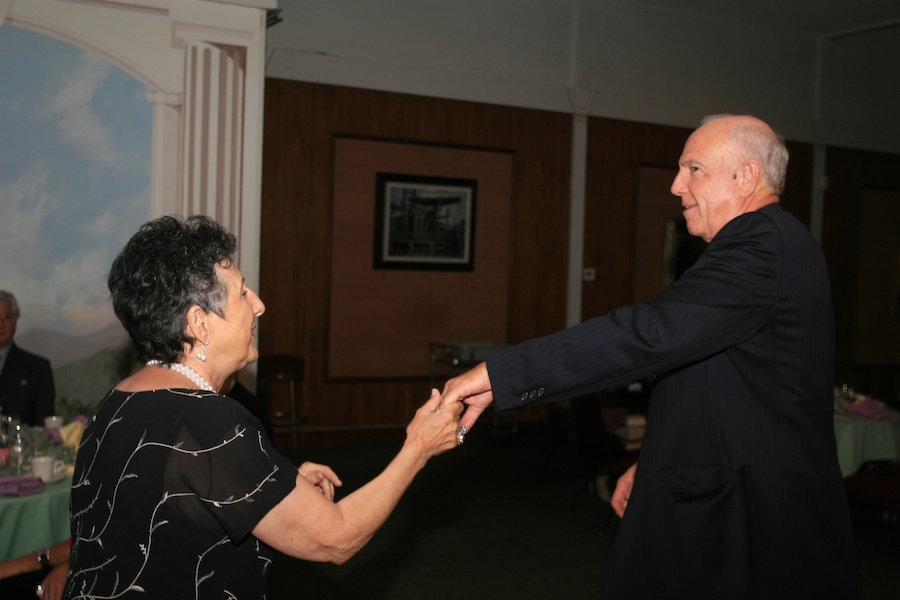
x,y
17,451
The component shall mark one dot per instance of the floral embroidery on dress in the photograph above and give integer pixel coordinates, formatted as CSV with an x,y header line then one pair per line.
x,y
167,487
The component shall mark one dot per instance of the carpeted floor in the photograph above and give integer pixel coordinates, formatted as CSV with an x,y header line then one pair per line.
x,y
478,524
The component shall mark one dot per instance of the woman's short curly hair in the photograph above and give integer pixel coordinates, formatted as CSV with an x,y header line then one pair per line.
x,y
168,266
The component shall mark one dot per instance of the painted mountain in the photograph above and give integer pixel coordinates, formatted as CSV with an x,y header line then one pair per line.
x,y
84,367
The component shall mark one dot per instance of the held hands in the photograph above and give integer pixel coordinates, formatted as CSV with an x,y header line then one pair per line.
x,y
472,388
322,477
432,430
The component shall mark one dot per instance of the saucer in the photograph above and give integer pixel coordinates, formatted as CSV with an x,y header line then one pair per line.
x,y
56,477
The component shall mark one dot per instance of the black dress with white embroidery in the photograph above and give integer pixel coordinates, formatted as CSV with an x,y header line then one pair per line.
x,y
168,485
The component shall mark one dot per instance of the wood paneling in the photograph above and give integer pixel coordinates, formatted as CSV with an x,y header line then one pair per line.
x,y
302,121
618,151
850,174
876,310
382,319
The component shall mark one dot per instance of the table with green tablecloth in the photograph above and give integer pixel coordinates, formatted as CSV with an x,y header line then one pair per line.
x,y
861,440
29,523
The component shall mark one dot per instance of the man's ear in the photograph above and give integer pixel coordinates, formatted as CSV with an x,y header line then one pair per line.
x,y
750,175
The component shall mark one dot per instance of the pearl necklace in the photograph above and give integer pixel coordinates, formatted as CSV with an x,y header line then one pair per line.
x,y
187,372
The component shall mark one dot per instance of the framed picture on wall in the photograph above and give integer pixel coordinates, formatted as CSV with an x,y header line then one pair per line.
x,y
424,223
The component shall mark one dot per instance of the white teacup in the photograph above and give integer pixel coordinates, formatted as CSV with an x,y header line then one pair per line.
x,y
47,468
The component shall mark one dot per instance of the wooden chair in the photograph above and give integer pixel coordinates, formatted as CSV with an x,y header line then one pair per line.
x,y
289,416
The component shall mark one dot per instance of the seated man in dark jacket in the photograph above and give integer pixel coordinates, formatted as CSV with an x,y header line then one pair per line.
x,y
26,379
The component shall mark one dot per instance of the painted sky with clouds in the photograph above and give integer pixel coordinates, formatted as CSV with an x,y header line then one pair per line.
x,y
75,141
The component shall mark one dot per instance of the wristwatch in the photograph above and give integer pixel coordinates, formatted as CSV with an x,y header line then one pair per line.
x,y
44,557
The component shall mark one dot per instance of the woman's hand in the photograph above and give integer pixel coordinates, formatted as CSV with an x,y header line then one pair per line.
x,y
321,476
433,430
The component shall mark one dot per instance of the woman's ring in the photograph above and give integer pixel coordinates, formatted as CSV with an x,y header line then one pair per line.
x,y
461,435
39,590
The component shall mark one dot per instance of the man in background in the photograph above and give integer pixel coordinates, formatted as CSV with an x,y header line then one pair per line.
x,y
26,380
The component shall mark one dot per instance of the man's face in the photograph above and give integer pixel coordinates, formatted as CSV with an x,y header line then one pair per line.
x,y
707,180
7,324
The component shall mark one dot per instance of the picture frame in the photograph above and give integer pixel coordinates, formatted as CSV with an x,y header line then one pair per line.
x,y
424,223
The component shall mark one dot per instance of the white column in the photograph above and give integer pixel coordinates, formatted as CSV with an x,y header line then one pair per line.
x,y
221,141
213,132
576,219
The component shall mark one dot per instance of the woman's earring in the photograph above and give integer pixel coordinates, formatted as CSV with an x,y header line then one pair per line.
x,y
202,354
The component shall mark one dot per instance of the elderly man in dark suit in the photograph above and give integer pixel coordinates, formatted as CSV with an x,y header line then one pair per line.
x,y
737,491
26,380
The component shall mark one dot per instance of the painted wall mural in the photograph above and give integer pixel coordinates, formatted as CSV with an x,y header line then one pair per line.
x,y
75,142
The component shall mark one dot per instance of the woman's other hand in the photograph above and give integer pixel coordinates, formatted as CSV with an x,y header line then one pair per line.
x,y
321,476
307,526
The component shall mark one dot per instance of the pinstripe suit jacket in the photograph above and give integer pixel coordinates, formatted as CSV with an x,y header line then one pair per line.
x,y
738,493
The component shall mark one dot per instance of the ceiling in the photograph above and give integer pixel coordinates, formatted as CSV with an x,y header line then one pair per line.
x,y
830,18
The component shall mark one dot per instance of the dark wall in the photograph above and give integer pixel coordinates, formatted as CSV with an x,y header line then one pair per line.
x,y
850,174
616,152
301,123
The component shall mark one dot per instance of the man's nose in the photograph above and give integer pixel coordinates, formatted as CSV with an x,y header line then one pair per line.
x,y
677,187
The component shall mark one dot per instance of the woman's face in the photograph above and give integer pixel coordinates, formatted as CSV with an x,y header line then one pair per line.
x,y
232,339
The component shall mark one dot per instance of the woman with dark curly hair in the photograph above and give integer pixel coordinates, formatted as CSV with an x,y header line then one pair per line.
x,y
177,491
